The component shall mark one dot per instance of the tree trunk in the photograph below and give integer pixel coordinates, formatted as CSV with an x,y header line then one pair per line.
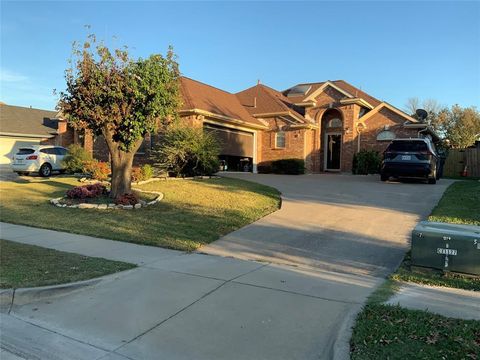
x,y
121,173
121,162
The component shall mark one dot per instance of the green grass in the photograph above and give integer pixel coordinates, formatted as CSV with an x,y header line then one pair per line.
x,y
459,205
192,213
391,332
434,277
24,265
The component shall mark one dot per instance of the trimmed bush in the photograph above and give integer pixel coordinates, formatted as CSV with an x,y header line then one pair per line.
x,y
98,170
264,168
187,151
142,173
74,161
366,162
147,171
137,174
288,166
87,191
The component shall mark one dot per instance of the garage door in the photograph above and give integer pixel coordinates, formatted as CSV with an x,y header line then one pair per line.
x,y
233,142
9,145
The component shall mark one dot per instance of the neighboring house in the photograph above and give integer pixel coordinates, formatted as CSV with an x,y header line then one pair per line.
x,y
324,123
21,126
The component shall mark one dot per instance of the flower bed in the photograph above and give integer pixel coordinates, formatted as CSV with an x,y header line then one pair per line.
x,y
95,196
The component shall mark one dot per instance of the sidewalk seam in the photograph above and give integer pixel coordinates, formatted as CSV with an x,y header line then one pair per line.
x,y
186,307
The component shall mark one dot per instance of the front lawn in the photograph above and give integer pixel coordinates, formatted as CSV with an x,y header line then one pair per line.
x,y
459,205
192,213
24,265
391,332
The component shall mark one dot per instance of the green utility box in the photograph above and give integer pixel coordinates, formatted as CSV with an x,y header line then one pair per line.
x,y
447,247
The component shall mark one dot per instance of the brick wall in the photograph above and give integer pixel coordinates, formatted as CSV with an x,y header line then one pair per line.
x,y
294,142
377,122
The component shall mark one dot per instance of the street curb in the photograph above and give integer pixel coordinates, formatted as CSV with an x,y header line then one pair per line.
x,y
341,346
24,296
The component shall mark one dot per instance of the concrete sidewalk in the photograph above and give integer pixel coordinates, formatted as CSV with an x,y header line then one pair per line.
x,y
449,302
183,305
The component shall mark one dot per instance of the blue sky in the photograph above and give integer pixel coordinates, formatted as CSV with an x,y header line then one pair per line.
x,y
392,50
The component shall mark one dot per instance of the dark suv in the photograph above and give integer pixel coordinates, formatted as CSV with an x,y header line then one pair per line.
x,y
415,158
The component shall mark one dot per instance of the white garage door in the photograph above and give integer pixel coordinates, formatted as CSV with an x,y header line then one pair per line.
x,y
9,145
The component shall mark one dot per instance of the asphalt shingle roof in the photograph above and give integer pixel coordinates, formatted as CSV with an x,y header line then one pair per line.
x,y
268,100
197,95
22,120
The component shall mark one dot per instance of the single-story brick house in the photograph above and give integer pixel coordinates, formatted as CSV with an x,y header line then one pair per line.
x,y
22,126
324,123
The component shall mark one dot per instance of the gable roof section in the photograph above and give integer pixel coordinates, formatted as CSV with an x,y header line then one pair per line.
x,y
261,100
408,118
202,98
348,90
23,121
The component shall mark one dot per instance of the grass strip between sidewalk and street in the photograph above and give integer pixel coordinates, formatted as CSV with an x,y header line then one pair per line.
x,y
392,332
23,265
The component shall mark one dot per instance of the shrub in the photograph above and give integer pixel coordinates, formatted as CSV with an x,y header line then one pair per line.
x,y
264,168
147,171
74,161
136,174
288,166
126,199
99,170
142,173
187,151
366,162
87,191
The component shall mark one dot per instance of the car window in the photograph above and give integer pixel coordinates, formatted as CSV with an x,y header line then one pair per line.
x,y
409,146
49,151
61,151
25,151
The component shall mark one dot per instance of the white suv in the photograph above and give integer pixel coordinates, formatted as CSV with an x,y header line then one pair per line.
x,y
39,158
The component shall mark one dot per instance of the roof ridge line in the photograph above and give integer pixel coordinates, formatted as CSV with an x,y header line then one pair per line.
x,y
213,87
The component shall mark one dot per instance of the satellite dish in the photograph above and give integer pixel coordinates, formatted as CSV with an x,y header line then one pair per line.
x,y
422,114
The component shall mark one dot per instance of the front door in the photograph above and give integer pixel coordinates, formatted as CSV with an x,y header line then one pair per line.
x,y
333,146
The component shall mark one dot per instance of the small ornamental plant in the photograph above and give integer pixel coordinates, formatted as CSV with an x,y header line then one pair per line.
x,y
87,191
126,199
98,170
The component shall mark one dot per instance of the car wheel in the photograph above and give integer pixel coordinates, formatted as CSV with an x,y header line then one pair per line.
x,y
384,177
45,170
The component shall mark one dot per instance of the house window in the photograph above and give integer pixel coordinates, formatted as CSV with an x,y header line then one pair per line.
x,y
280,139
386,135
334,123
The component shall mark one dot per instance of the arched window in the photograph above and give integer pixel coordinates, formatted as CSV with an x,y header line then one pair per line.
x,y
280,139
386,135
334,123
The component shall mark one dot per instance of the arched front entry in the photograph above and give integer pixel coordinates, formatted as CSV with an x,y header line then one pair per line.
x,y
332,138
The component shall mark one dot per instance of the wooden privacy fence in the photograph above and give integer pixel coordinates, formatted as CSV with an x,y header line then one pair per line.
x,y
458,158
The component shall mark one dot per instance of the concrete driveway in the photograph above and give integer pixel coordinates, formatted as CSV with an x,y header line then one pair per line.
x,y
343,223
320,256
